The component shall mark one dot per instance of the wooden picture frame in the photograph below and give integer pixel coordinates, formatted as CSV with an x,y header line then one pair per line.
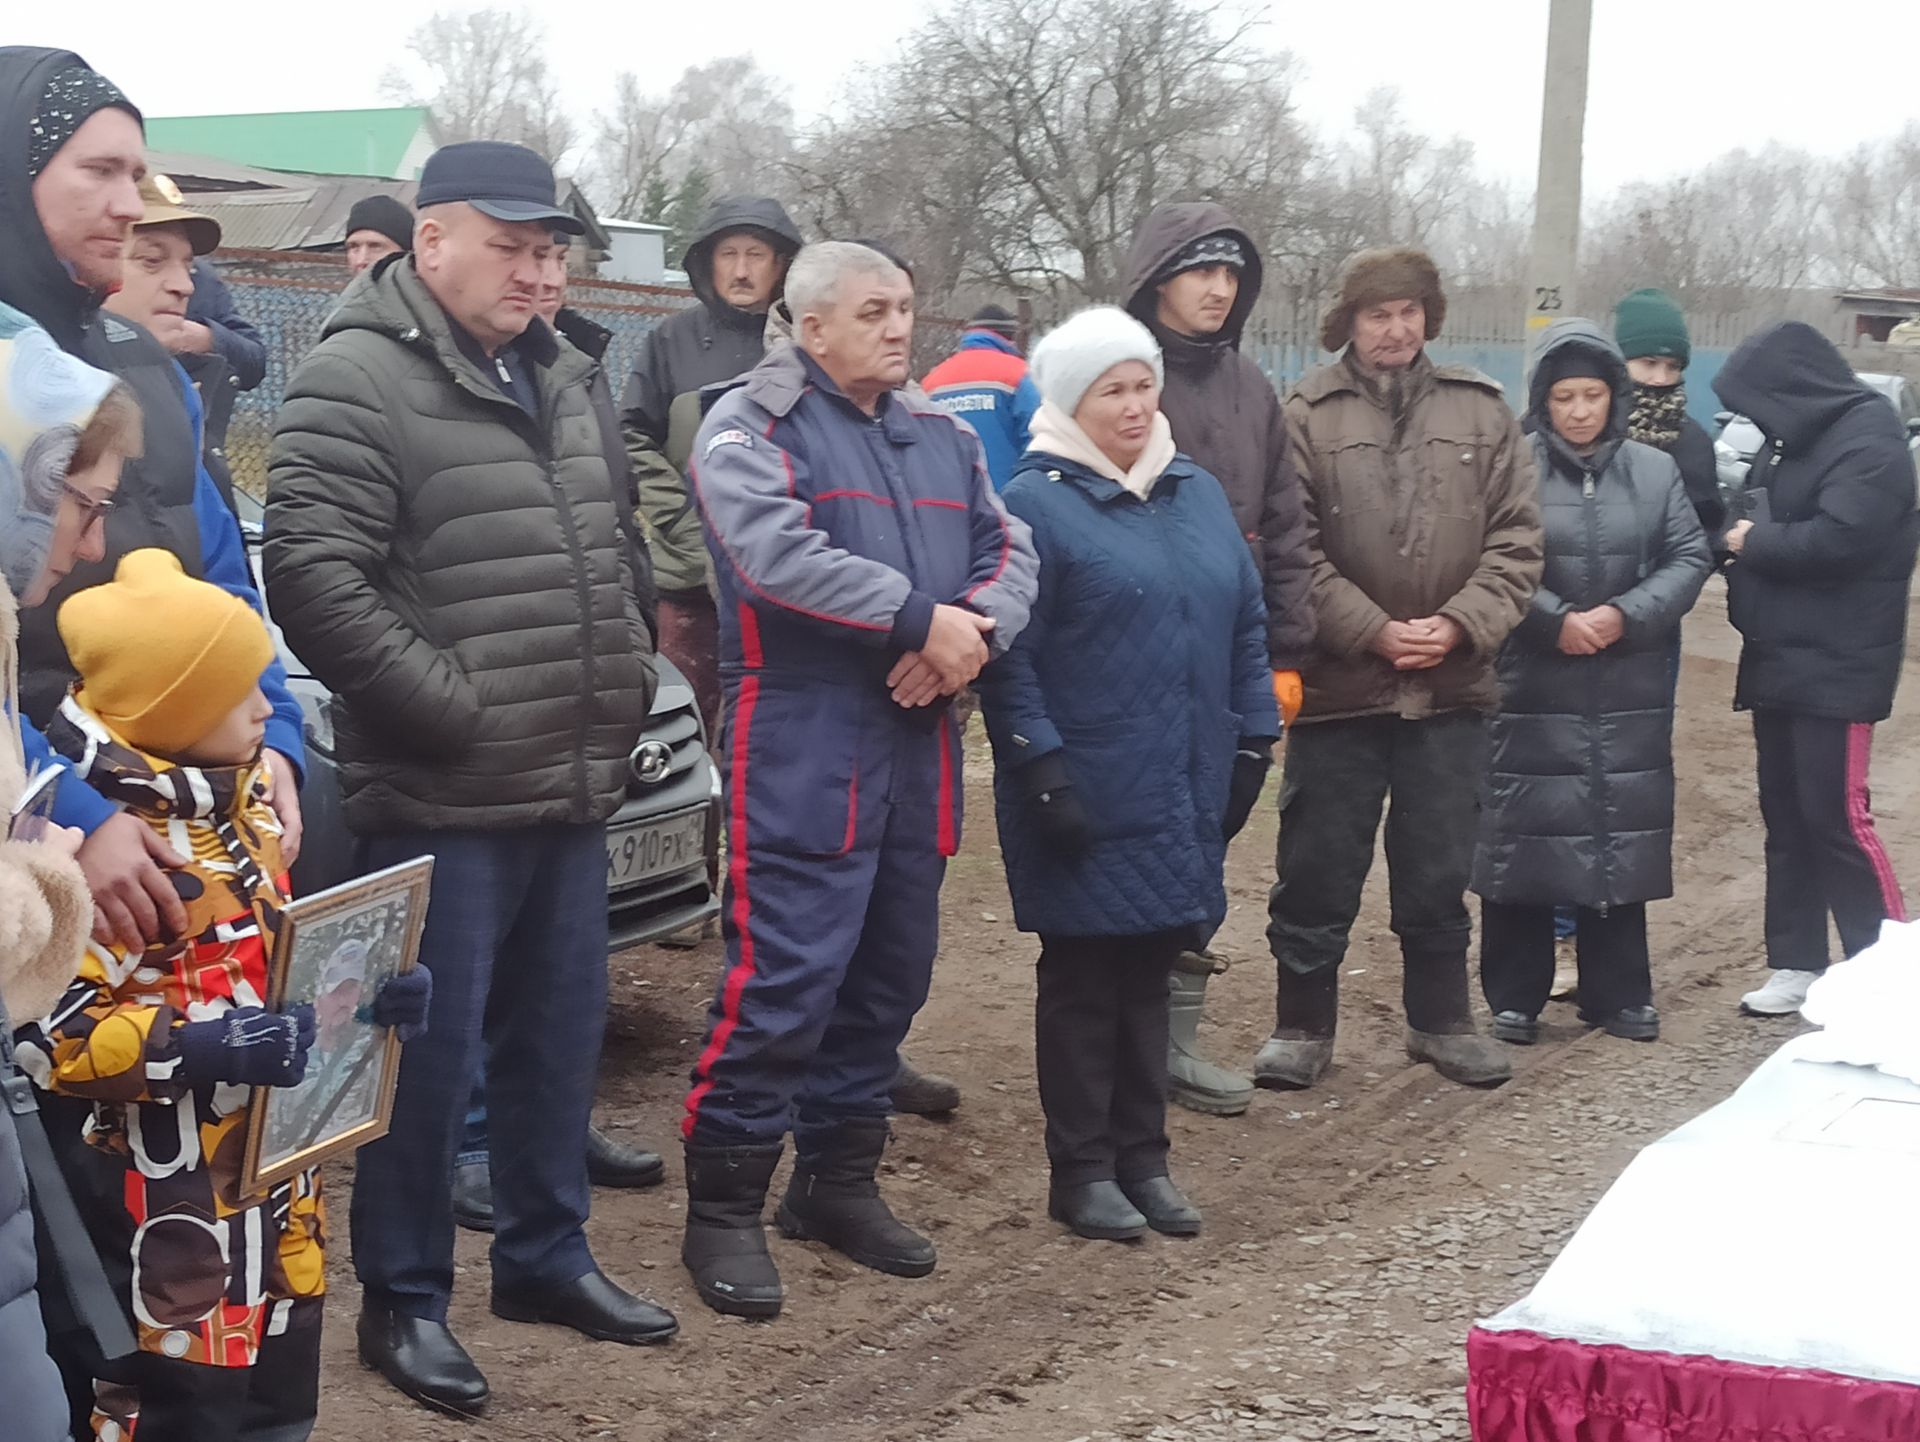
x,y
335,950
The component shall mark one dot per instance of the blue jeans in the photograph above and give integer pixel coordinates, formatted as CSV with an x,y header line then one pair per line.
x,y
516,937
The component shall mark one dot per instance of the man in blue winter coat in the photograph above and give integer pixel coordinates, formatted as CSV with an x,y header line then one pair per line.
x,y
866,572
985,383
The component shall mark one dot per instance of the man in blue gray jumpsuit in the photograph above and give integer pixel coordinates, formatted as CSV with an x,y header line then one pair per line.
x,y
866,573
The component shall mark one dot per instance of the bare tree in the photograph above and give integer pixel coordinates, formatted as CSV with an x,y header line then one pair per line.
x,y
1748,223
485,78
726,121
1024,139
1874,213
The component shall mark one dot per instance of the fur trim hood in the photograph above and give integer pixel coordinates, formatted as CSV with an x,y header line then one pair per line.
x,y
1399,272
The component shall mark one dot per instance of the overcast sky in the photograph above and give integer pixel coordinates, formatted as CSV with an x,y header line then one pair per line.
x,y
1673,84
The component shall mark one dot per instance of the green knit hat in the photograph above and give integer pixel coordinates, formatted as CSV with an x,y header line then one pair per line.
x,y
1647,323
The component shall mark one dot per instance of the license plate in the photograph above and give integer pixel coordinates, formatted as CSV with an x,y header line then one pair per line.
x,y
655,848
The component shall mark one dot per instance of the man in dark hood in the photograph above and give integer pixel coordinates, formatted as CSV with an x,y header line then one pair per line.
x,y
1823,562
1195,277
737,266
74,156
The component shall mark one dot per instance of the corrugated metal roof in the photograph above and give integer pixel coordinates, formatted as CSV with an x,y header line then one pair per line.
x,y
331,142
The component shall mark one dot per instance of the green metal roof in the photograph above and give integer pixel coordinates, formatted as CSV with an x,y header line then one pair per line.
x,y
325,142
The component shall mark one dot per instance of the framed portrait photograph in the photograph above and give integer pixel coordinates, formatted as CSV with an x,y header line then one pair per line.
x,y
336,949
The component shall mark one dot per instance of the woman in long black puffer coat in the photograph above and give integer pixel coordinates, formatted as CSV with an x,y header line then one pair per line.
x,y
1578,809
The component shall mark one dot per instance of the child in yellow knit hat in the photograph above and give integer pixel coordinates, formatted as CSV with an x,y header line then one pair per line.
x,y
148,1058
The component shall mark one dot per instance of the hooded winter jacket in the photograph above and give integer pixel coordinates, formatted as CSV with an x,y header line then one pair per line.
x,y
1226,415
1579,802
687,351
453,569
1819,590
1420,502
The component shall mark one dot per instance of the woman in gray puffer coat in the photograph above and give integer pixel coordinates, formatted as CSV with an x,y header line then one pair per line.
x,y
1578,808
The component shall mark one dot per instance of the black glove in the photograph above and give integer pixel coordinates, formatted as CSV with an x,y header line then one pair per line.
x,y
1056,811
249,1046
402,1003
1251,762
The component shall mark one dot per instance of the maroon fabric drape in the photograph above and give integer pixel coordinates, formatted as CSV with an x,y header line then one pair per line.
x,y
1523,1387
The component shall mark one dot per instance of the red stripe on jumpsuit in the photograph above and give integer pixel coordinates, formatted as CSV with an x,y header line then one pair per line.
x,y
949,837
1860,820
742,970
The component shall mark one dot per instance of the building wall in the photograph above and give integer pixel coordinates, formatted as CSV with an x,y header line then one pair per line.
x,y
637,257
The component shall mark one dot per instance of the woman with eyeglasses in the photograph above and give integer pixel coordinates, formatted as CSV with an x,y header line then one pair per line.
x,y
64,429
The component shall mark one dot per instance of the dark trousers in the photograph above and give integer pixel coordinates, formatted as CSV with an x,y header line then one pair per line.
x,y
828,960
274,1400
1516,958
1338,777
1824,857
516,938
1100,1041
690,638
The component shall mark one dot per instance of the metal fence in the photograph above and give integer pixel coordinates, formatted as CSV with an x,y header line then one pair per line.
x,y
288,295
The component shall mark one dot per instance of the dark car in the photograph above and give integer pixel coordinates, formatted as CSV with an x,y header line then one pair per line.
x,y
661,843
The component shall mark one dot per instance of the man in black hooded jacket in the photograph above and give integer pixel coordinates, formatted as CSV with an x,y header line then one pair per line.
x,y
737,266
1823,551
1195,277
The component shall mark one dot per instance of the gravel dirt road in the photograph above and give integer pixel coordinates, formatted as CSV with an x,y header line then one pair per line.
x,y
1354,1233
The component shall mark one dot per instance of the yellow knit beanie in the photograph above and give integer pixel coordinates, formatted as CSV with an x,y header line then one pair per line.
x,y
162,657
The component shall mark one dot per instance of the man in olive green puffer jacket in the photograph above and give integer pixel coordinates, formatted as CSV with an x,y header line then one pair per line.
x,y
443,551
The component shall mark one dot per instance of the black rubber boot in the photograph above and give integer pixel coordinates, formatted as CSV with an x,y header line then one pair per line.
x,y
1440,1027
726,1244
923,1094
834,1197
1306,1012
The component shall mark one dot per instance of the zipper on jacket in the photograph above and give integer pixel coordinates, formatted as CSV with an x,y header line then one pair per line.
x,y
1596,761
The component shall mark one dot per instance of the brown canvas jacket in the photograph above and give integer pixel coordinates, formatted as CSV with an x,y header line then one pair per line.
x,y
1441,519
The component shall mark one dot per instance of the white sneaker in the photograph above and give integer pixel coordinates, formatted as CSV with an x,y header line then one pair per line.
x,y
1782,994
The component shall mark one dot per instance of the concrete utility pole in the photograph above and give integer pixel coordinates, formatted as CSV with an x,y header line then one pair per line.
x,y
1556,196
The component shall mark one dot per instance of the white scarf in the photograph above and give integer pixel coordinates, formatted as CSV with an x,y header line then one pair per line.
x,y
1059,434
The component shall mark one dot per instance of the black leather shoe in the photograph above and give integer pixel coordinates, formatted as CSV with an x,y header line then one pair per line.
x,y
1634,1023
473,1196
615,1164
1164,1205
1098,1210
592,1305
423,1360
1516,1027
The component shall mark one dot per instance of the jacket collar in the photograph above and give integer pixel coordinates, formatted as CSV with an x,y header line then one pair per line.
x,y
988,340
122,772
1096,486
587,336
779,382
393,301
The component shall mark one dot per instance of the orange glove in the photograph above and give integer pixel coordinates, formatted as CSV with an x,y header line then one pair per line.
x,y
1290,695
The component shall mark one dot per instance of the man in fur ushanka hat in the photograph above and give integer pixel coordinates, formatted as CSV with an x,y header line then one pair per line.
x,y
1424,527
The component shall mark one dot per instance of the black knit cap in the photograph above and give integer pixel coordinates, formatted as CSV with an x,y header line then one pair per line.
x,y
1220,248
384,214
996,318
72,98
1574,362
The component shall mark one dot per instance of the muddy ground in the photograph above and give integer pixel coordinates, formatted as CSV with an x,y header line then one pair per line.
x,y
1354,1233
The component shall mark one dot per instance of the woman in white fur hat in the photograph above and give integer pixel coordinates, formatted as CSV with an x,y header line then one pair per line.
x,y
1132,725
